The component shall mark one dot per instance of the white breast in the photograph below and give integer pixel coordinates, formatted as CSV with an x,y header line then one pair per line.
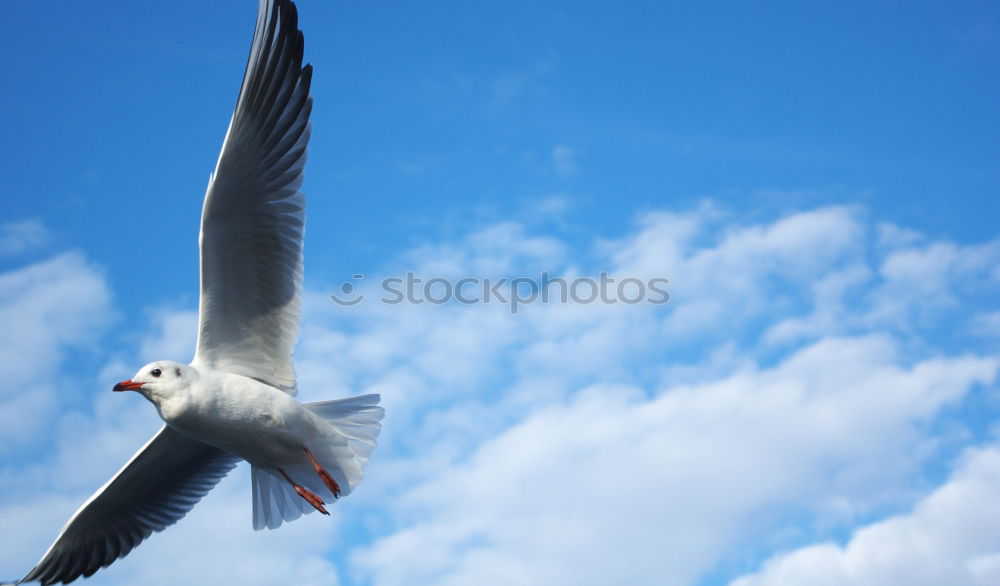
x,y
254,421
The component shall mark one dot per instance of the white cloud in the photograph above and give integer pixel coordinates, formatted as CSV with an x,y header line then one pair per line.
x,y
576,443
17,237
919,275
890,236
823,271
921,281
986,324
950,537
174,336
832,300
614,487
553,207
837,428
722,277
47,309
496,250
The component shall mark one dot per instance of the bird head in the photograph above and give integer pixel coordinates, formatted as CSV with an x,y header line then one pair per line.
x,y
158,380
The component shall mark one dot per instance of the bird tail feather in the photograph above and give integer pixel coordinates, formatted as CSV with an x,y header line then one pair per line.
x,y
345,451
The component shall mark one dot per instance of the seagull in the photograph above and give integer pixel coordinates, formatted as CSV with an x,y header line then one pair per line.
x,y
235,400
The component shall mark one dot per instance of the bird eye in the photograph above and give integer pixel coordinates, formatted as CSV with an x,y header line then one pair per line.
x,y
156,372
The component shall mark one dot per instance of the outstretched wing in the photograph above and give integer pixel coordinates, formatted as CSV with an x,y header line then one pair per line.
x,y
158,486
254,215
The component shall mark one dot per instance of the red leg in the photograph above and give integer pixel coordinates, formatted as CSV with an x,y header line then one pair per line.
x,y
307,494
327,479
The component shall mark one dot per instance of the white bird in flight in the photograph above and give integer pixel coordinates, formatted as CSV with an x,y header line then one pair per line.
x,y
235,399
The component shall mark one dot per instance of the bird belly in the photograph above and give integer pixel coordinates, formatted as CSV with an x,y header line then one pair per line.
x,y
266,428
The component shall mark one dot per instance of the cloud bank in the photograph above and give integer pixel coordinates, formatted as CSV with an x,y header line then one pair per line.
x,y
802,380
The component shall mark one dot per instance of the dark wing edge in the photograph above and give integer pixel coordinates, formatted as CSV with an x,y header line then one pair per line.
x,y
155,489
253,218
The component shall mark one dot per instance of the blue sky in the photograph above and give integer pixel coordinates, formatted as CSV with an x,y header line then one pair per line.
x,y
818,182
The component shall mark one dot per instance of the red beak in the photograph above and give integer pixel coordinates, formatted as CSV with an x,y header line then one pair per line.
x,y
127,385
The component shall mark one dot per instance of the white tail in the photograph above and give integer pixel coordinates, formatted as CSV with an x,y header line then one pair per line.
x,y
344,451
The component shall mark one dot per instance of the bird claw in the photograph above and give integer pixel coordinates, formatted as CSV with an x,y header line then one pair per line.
x,y
312,499
327,479
330,482
309,496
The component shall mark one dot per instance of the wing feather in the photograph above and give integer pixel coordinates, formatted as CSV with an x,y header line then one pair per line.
x,y
254,214
156,488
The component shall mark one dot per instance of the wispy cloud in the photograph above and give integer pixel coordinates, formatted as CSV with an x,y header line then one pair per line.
x,y
17,237
512,84
564,160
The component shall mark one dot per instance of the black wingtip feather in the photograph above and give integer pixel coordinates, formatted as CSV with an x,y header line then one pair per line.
x,y
67,562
